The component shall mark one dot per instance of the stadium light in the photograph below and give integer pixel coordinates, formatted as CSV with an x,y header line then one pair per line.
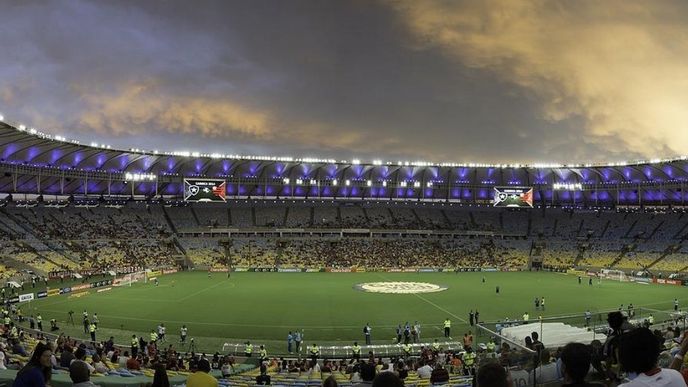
x,y
416,184
369,183
32,131
313,182
334,182
285,180
355,161
1,117
429,184
347,182
139,176
384,183
299,181
403,184
567,186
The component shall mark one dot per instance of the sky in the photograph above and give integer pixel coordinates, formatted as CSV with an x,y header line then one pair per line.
x,y
524,81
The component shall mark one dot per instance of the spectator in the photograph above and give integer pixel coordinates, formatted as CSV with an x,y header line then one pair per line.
x,y
493,375
263,378
425,371
99,365
330,382
439,376
575,363
66,356
201,378
387,379
638,354
367,374
80,374
160,378
37,372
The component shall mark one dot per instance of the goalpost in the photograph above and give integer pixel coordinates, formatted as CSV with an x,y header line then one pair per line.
x,y
131,278
616,275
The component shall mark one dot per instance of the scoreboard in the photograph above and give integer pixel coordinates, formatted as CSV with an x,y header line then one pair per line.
x,y
205,190
513,197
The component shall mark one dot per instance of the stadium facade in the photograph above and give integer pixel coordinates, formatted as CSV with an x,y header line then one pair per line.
x,y
35,163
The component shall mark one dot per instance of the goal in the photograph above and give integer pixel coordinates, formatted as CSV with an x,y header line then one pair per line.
x,y
131,278
616,275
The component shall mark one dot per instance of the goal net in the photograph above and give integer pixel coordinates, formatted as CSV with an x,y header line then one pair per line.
x,y
616,275
131,278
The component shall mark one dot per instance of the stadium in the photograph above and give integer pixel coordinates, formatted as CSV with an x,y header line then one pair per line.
x,y
99,224
128,266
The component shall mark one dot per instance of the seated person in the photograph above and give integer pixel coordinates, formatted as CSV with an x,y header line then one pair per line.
x,y
263,378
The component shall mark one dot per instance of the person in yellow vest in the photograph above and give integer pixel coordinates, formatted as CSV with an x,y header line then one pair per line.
x,y
7,321
14,333
19,314
491,345
263,353
356,350
314,351
436,346
92,331
407,349
248,349
447,327
153,336
526,317
39,321
469,362
651,319
134,345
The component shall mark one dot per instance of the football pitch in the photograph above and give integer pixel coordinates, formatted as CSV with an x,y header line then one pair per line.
x,y
328,307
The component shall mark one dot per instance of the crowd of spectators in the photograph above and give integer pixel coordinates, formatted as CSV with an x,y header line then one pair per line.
x,y
68,238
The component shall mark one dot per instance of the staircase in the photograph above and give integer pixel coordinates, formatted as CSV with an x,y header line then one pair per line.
x,y
195,216
168,219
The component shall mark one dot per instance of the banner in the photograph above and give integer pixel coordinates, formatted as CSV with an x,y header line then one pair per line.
x,y
151,274
41,294
426,270
53,292
240,269
339,270
290,270
65,290
663,281
26,297
219,270
312,270
169,271
98,284
80,287
641,279
13,300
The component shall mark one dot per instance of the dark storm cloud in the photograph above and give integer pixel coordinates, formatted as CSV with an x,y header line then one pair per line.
x,y
405,80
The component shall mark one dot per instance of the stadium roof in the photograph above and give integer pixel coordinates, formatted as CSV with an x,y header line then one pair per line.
x,y
41,154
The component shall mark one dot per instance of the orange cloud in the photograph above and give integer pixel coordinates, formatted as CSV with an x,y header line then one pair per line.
x,y
621,65
137,107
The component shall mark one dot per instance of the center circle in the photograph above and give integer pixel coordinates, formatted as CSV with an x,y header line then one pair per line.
x,y
399,287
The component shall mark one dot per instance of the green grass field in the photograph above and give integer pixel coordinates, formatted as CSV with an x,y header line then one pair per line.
x,y
263,307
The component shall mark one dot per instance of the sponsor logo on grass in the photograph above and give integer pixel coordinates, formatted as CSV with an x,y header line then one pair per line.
x,y
77,295
400,287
